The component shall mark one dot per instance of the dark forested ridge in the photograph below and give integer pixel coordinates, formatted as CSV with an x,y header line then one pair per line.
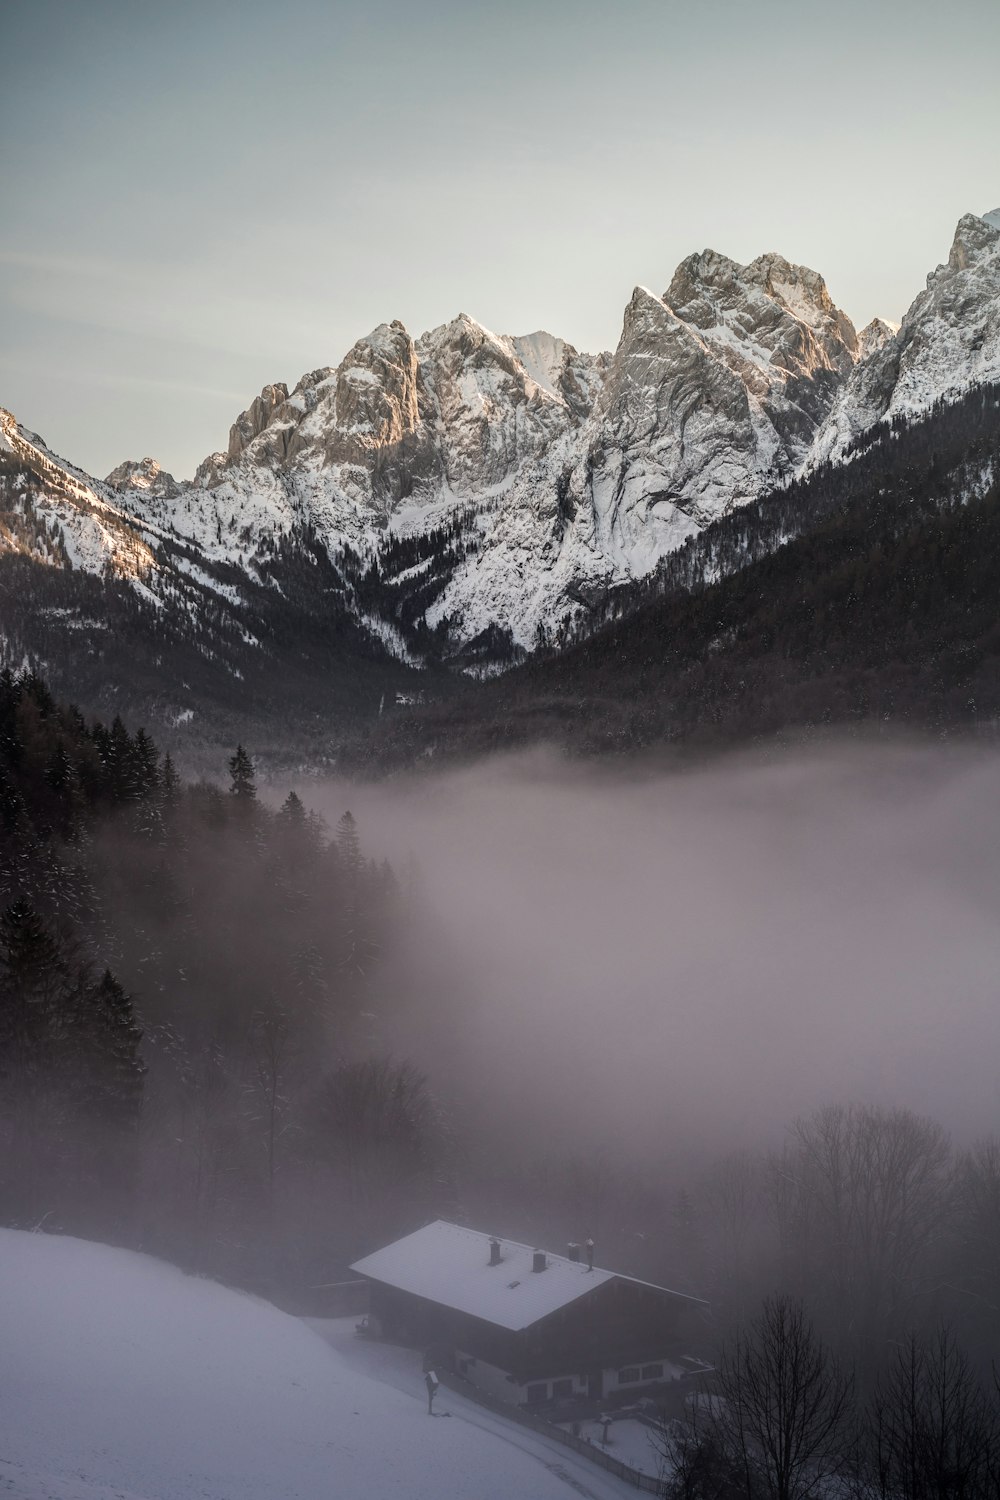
x,y
862,596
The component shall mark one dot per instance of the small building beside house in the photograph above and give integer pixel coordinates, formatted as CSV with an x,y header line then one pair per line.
x,y
525,1326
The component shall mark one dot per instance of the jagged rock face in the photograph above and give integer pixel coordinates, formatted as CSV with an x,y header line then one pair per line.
x,y
252,422
367,420
145,476
456,411
775,326
674,427
494,416
714,394
949,339
874,336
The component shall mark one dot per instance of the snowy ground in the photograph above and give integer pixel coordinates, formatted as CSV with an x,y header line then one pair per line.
x,y
123,1379
630,1441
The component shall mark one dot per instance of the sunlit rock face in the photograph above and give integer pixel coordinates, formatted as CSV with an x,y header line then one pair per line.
x,y
948,340
250,423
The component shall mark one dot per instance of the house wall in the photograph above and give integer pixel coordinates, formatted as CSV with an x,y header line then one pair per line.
x,y
618,1325
613,1382
488,1378
503,1387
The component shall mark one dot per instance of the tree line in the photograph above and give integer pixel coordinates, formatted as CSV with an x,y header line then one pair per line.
x,y
782,1419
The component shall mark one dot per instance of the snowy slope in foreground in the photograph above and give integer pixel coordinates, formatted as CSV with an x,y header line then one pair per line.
x,y
122,1377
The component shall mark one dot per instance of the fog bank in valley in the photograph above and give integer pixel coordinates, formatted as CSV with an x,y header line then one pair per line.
x,y
685,961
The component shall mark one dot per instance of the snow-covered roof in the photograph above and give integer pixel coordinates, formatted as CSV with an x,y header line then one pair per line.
x,y
449,1264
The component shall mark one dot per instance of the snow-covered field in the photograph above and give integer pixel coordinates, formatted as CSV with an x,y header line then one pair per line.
x,y
121,1378
629,1440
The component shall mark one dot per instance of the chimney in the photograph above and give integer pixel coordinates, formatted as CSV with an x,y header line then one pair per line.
x,y
573,1252
494,1251
589,1247
538,1261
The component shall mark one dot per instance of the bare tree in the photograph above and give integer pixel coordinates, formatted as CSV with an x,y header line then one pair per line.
x,y
861,1195
696,1461
377,1118
268,1041
786,1405
737,1231
930,1432
976,1224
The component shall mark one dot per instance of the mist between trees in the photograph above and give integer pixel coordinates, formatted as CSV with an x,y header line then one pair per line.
x,y
712,1020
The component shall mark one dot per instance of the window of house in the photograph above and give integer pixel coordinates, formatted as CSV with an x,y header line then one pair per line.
x,y
629,1375
652,1372
561,1388
537,1393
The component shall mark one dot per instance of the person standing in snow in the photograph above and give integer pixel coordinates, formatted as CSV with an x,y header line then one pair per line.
x,y
431,1381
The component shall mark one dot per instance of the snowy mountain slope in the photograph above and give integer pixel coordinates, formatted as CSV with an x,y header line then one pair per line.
x,y
949,339
58,515
122,1376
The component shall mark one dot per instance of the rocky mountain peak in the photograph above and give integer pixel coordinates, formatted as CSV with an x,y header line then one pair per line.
x,y
375,394
875,335
770,314
146,476
974,236
948,339
252,422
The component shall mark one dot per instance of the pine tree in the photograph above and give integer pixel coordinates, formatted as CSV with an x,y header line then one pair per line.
x,y
34,1014
170,783
108,1036
243,784
349,846
292,813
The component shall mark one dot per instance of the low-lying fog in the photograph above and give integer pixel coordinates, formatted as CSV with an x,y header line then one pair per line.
x,y
699,956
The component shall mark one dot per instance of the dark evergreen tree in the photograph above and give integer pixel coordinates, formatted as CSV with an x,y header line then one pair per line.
x,y
243,782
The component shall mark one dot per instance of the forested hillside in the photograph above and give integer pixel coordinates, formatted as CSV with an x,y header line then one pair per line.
x,y
187,1052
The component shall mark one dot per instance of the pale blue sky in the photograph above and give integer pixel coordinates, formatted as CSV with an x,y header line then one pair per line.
x,y
202,197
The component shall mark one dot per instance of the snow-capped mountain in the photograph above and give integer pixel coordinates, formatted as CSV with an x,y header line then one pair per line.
x,y
475,493
564,474
948,340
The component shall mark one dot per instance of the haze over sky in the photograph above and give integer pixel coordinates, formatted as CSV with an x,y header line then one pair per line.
x,y
202,197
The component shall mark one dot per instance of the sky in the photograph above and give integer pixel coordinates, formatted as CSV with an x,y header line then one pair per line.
x,y
200,198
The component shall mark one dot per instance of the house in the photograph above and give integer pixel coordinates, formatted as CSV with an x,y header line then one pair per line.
x,y
525,1326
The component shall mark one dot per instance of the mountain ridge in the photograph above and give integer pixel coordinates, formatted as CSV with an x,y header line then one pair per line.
x,y
474,496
